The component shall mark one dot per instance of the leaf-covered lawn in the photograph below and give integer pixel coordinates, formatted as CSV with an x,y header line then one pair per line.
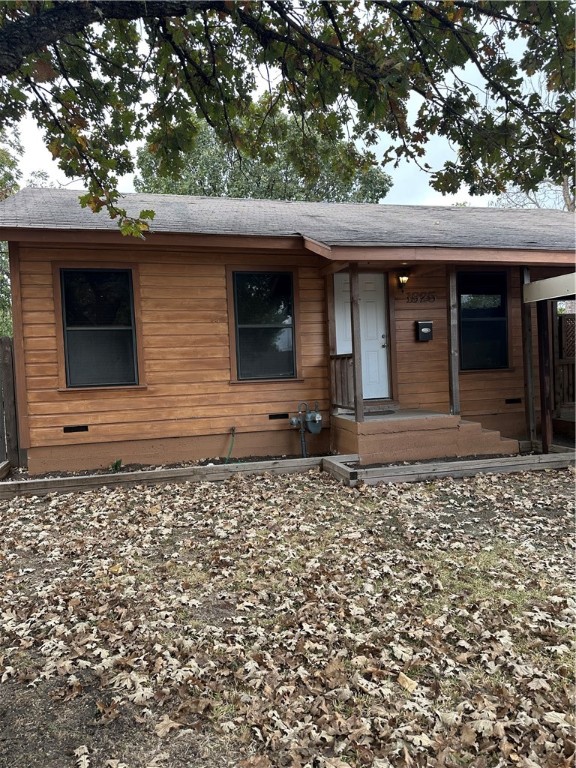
x,y
290,621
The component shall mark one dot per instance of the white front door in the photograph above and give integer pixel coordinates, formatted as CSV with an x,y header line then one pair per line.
x,y
373,329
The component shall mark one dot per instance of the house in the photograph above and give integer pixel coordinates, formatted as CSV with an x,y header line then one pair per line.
x,y
404,324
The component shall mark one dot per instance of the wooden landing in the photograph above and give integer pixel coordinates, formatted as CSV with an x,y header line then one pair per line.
x,y
340,468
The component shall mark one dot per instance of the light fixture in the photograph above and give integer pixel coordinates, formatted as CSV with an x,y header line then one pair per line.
x,y
403,275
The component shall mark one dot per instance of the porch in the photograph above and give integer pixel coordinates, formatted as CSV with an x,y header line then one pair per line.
x,y
420,417
413,435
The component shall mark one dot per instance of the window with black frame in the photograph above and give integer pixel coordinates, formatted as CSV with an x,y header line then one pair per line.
x,y
264,315
99,327
483,310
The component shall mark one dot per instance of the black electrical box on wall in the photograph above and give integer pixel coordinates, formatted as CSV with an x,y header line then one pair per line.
x,y
423,330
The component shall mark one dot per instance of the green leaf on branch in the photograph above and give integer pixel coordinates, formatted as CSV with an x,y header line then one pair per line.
x,y
493,79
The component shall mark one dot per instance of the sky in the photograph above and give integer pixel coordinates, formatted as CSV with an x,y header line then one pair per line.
x,y
410,184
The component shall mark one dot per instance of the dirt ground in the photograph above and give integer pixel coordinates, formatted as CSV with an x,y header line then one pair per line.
x,y
290,621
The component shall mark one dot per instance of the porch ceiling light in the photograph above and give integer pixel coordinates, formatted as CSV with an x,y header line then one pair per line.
x,y
403,276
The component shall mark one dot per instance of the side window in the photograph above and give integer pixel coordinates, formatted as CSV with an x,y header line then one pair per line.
x,y
264,325
99,328
483,311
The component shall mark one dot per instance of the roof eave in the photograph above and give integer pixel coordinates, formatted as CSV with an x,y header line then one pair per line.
x,y
510,255
151,239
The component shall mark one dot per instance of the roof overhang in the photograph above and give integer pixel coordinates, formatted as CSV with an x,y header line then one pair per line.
x,y
508,256
295,243
153,239
559,287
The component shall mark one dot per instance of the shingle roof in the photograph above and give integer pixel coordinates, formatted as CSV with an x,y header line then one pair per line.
x,y
334,224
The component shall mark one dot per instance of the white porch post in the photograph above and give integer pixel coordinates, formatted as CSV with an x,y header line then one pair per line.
x,y
356,343
454,346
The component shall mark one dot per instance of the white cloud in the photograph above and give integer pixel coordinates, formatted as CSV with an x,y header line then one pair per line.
x,y
38,158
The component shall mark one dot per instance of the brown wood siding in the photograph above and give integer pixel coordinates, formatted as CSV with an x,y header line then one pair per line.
x,y
422,367
185,351
167,450
189,391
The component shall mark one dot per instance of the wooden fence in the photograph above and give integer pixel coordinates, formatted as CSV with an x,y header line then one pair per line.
x,y
565,341
9,448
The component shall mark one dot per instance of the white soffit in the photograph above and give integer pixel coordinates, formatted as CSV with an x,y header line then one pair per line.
x,y
560,287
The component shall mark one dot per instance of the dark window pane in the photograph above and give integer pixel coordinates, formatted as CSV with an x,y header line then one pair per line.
x,y
100,357
265,353
264,325
484,344
98,327
483,320
481,282
263,298
97,297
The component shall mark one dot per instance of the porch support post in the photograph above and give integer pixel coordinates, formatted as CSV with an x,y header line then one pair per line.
x,y
356,343
527,351
331,322
454,345
330,313
545,366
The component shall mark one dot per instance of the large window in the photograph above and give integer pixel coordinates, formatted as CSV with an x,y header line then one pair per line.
x,y
264,316
482,301
99,338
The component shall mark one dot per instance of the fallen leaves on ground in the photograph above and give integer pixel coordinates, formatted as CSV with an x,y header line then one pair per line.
x,y
306,623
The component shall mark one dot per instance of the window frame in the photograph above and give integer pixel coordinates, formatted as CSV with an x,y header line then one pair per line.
x,y
57,275
231,270
507,296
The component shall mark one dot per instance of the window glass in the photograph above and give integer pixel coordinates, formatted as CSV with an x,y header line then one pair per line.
x,y
264,298
483,311
482,305
97,297
99,338
264,325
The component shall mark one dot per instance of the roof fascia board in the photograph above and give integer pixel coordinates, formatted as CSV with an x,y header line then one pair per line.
x,y
152,239
511,256
317,247
295,244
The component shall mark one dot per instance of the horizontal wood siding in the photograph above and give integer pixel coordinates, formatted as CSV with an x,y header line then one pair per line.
x,y
422,367
188,392
186,351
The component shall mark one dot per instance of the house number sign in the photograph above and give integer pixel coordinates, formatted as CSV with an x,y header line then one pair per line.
x,y
420,297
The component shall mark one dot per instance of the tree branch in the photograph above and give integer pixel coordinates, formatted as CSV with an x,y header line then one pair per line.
x,y
34,32
496,85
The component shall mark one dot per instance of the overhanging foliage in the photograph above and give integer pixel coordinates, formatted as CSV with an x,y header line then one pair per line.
x,y
98,74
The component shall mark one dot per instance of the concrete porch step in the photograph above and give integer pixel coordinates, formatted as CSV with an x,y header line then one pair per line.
x,y
489,440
